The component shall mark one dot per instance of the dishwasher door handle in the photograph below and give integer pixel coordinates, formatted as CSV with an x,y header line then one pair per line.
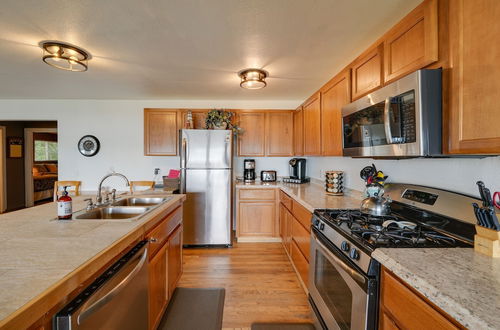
x,y
113,292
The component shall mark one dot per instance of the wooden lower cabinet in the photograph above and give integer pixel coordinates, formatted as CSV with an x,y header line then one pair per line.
x,y
300,262
158,286
402,308
256,219
174,259
302,237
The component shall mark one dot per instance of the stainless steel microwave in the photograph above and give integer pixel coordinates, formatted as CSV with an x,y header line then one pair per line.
x,y
402,119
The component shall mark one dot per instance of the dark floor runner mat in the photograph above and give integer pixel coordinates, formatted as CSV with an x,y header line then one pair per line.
x,y
283,326
194,309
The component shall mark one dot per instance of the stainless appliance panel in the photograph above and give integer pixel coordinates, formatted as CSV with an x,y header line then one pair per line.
x,y
120,303
426,87
201,148
337,288
207,210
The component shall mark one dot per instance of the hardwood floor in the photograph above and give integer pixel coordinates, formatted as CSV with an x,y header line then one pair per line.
x,y
260,283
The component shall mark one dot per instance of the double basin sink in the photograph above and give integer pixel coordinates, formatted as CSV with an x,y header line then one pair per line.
x,y
127,208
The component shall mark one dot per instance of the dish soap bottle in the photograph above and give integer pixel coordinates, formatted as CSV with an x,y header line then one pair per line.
x,y
64,205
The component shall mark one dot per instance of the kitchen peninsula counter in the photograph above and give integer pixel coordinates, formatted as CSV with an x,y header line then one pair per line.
x,y
43,260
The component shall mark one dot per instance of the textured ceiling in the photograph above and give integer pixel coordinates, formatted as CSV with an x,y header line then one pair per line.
x,y
187,49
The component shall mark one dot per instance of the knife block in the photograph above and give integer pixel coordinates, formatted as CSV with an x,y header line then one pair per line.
x,y
487,241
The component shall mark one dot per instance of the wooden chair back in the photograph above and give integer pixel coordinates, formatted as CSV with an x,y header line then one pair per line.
x,y
58,185
147,184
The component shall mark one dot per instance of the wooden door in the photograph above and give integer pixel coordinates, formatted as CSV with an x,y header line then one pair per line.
x,y
289,223
158,286
160,132
367,72
279,133
251,141
298,132
282,218
199,117
334,96
473,109
412,44
312,126
174,259
257,219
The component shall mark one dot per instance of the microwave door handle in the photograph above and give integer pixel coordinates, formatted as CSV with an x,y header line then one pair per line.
x,y
387,120
348,269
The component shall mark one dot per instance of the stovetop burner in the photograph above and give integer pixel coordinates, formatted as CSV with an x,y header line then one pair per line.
x,y
387,231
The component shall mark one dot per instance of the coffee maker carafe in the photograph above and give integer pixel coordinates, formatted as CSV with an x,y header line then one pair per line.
x,y
249,170
297,168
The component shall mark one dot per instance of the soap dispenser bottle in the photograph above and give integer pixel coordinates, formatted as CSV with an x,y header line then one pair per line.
x,y
64,205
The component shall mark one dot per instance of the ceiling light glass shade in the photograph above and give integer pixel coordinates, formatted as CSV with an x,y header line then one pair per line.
x,y
253,78
65,57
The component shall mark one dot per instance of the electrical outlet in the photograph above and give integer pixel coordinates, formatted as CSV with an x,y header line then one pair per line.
x,y
156,171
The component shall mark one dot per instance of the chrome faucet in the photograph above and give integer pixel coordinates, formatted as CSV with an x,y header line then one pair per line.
x,y
99,194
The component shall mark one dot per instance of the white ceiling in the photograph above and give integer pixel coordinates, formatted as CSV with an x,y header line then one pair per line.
x,y
187,49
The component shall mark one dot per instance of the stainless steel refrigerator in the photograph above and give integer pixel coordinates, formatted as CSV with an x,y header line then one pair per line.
x,y
206,178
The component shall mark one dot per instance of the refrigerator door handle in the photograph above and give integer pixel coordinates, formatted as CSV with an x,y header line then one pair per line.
x,y
183,181
183,152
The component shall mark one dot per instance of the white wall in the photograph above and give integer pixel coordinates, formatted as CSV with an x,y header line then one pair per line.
x,y
118,124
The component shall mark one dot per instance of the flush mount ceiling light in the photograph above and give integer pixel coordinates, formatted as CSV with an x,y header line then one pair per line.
x,y
64,56
253,78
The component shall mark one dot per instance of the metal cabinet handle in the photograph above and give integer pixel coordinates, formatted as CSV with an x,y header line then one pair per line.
x,y
387,120
153,240
116,290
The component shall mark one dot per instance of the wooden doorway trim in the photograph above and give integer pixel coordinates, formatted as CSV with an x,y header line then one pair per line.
x,y
28,161
3,175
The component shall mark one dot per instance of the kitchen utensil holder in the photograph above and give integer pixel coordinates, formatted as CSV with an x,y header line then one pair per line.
x,y
334,183
487,241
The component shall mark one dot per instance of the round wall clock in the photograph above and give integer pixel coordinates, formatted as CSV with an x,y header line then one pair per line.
x,y
88,145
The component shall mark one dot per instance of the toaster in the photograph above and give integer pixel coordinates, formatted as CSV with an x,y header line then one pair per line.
x,y
267,176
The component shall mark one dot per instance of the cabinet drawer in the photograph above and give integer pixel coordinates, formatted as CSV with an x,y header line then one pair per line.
x,y
300,263
302,214
286,200
408,309
258,194
301,237
159,235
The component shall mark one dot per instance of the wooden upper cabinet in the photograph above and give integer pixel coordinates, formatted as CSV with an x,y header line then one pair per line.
x,y
279,133
199,117
298,132
367,72
334,95
160,132
413,43
475,70
251,141
312,125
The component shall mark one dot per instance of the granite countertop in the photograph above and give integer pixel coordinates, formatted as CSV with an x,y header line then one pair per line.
x,y
39,254
311,195
461,282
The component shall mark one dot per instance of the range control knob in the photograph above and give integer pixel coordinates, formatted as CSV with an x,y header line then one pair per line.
x,y
316,222
344,246
354,254
322,226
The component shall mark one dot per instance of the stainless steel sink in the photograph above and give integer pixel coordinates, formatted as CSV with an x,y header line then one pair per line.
x,y
114,213
141,201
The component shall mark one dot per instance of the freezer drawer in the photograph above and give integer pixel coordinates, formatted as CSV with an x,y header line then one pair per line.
x,y
117,299
207,210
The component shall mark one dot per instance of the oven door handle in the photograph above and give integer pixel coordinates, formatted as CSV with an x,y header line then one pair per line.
x,y
387,120
348,269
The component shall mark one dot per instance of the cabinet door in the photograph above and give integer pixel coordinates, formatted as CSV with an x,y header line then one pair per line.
x,y
160,132
413,43
387,323
300,262
282,223
199,117
256,219
158,286
251,141
174,259
334,96
312,126
279,133
367,72
473,109
298,132
289,222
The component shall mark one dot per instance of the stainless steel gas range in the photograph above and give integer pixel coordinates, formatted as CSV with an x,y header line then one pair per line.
x,y
344,278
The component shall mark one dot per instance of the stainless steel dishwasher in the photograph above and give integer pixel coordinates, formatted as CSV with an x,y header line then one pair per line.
x,y
117,299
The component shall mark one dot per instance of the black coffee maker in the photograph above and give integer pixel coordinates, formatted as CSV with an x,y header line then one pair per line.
x,y
297,171
249,170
